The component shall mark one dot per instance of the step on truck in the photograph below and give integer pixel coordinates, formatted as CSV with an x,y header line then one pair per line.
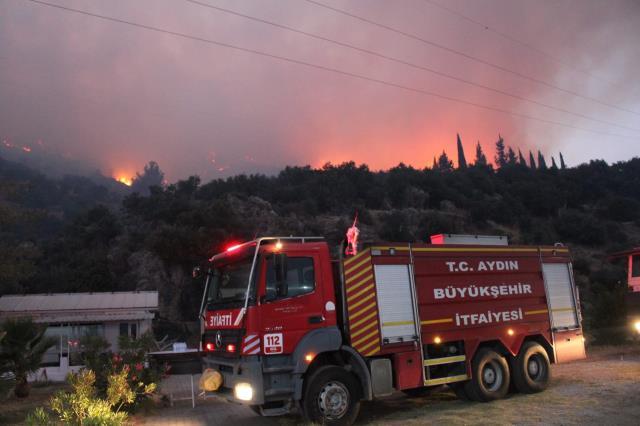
x,y
286,327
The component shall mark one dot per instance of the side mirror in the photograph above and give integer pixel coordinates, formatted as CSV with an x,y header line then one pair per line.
x,y
196,272
280,269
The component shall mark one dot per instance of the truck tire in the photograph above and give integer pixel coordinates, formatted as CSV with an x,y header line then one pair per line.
x,y
489,376
531,368
331,397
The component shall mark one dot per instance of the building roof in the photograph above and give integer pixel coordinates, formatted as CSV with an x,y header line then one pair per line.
x,y
635,250
32,303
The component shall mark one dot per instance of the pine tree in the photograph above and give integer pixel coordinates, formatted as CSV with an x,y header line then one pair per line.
x,y
512,160
521,159
481,159
435,164
554,166
562,163
444,164
542,164
462,162
501,158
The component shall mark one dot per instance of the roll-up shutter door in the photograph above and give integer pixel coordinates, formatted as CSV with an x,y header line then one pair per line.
x,y
395,303
560,296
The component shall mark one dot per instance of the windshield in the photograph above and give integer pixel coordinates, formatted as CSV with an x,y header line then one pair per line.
x,y
229,283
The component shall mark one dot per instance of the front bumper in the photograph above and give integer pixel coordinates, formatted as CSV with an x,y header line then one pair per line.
x,y
241,370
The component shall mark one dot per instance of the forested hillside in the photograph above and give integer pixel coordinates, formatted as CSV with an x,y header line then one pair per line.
x,y
71,234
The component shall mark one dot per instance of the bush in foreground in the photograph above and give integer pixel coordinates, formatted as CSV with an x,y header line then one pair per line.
x,y
82,406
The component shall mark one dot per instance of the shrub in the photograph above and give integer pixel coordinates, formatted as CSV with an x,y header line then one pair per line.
x,y
39,416
82,406
130,362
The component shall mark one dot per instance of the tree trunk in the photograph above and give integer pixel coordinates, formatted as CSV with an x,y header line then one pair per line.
x,y
22,388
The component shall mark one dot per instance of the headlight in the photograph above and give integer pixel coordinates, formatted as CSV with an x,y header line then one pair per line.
x,y
244,391
636,325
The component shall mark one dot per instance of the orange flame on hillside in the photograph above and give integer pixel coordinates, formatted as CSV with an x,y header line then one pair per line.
x,y
124,179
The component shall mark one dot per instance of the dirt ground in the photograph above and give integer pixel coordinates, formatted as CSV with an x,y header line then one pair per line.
x,y
14,410
602,390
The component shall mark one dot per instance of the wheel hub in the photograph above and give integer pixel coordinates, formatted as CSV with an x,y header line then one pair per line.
x,y
333,400
489,375
492,377
533,367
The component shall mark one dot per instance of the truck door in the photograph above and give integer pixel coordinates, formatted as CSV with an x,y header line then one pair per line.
x,y
286,318
563,311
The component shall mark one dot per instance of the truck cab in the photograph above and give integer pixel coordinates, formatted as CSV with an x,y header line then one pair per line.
x,y
269,308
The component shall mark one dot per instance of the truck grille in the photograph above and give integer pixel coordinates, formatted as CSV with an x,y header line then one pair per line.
x,y
228,344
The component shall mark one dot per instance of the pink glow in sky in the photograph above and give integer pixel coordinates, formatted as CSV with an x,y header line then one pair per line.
x,y
118,96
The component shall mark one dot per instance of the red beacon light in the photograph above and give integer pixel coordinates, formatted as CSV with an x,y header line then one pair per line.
x,y
233,247
209,346
231,348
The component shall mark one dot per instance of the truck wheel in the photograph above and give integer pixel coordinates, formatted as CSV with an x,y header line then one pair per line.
x,y
490,376
531,368
331,397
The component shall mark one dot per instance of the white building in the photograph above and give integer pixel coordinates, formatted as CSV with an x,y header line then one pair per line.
x,y
70,316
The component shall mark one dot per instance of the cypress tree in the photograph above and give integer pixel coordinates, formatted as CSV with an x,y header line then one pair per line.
x,y
481,159
532,161
512,160
521,159
435,164
542,164
562,163
462,162
553,164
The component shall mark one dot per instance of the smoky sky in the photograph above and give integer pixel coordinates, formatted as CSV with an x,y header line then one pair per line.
x,y
117,96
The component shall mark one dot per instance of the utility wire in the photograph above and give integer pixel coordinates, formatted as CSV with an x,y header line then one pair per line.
x,y
471,57
403,62
516,41
320,67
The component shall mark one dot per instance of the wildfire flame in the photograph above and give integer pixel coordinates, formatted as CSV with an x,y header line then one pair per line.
x,y
124,179
26,148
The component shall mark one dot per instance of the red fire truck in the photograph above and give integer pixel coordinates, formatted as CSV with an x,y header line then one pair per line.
x,y
285,326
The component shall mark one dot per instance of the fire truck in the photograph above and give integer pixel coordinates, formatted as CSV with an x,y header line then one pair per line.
x,y
285,326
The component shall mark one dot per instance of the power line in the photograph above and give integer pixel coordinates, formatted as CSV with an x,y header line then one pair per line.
x,y
471,57
403,62
317,66
515,40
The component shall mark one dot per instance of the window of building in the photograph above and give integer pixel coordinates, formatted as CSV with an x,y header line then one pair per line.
x,y
129,329
300,278
635,265
67,341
